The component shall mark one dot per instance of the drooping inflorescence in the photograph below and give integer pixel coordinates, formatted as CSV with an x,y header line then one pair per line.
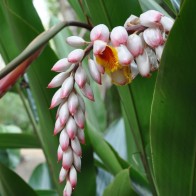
x,y
123,53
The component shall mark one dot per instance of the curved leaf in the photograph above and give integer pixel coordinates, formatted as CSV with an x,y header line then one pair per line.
x,y
12,184
173,135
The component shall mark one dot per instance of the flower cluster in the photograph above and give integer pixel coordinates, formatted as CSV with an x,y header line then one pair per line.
x,y
123,53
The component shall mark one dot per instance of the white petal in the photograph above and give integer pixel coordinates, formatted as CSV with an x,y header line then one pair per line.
x,y
124,56
167,23
98,47
159,51
100,32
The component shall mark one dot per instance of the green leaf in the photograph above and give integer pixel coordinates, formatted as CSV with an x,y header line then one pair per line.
x,y
46,193
173,135
40,178
121,185
18,140
12,184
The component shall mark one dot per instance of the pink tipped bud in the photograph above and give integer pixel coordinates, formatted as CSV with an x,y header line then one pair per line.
x,y
143,64
75,145
167,23
118,36
67,86
135,45
79,118
153,37
57,113
132,20
98,47
94,72
61,65
59,153
81,136
72,103
151,18
87,92
58,80
58,126
64,114
62,174
56,99
100,32
73,177
75,41
124,56
81,102
80,76
64,140
159,51
134,70
71,128
118,77
75,56
67,159
77,162
68,189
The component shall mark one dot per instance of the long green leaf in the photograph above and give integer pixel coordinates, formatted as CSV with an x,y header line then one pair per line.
x,y
173,135
121,185
12,184
18,140
24,25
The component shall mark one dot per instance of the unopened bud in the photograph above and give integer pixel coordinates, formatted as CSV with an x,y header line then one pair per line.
x,y
68,189
64,140
81,136
94,72
67,86
73,176
58,126
63,113
56,99
87,92
75,145
132,20
124,56
75,41
98,47
118,36
67,159
58,80
77,162
75,56
62,174
72,103
150,18
61,65
100,32
167,23
80,76
71,128
159,51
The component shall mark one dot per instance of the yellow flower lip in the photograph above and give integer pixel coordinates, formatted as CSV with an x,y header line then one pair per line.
x,y
120,75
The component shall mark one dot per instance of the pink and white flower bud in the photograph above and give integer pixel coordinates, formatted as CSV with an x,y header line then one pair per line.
x,y
80,76
67,87
159,51
56,99
75,56
98,47
61,65
64,140
134,70
135,45
124,56
58,80
151,18
62,174
67,159
71,128
81,102
73,176
100,32
63,114
118,77
59,153
132,20
79,118
81,136
57,113
153,37
58,126
72,103
143,64
118,36
94,72
167,23
75,41
87,92
77,162
75,145
68,189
